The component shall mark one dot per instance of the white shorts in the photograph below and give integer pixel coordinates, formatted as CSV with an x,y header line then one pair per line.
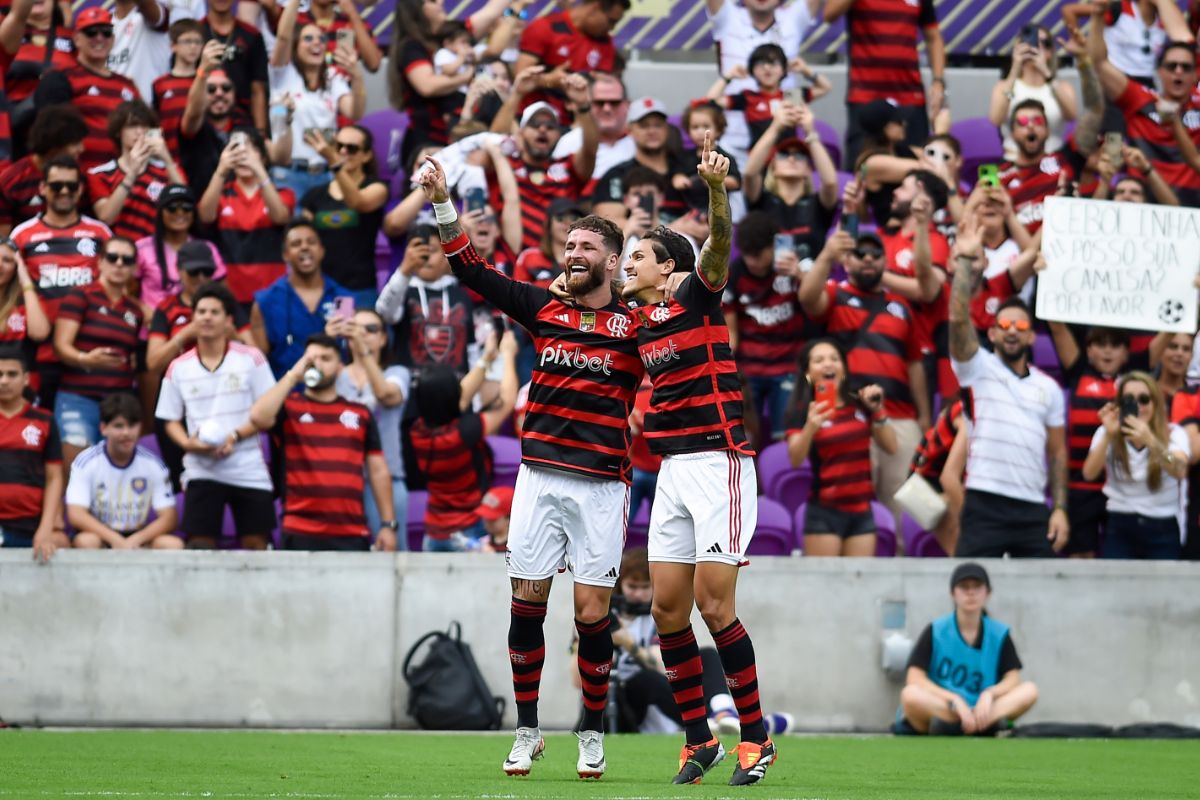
x,y
705,508
560,520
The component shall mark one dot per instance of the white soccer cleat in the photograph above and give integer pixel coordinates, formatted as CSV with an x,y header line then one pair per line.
x,y
591,754
528,748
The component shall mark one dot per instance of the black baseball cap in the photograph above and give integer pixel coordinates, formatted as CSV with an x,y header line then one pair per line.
x,y
564,205
875,115
969,569
869,237
176,194
195,255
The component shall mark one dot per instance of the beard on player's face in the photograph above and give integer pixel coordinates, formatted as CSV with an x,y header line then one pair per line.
x,y
584,275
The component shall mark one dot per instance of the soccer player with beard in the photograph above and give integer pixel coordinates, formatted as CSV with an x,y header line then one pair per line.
x,y
705,506
571,500
1015,430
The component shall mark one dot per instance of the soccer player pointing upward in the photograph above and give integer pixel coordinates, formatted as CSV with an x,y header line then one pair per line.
x,y
705,507
572,495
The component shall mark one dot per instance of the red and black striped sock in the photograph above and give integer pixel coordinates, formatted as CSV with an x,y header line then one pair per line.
x,y
527,653
681,657
741,676
595,661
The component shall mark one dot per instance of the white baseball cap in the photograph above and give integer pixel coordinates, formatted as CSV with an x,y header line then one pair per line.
x,y
537,108
645,106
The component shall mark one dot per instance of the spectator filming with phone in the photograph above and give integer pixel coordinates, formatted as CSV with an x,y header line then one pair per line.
x,y
833,426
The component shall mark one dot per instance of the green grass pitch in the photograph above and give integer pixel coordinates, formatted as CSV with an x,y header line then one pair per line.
x,y
337,766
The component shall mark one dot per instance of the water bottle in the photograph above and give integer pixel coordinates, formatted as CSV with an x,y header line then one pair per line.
x,y
278,116
312,377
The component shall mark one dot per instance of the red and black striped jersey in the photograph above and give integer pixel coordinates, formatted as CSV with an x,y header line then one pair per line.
x,y
6,148
538,185
250,242
453,459
1030,186
879,353
1157,141
172,315
136,219
534,267
323,448
102,323
96,96
170,93
555,41
59,260
883,50
771,326
930,457
1090,391
933,317
19,196
840,457
430,118
697,401
28,442
585,376
39,52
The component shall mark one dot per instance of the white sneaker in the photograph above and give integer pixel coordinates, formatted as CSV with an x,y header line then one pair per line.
x,y
591,754
528,748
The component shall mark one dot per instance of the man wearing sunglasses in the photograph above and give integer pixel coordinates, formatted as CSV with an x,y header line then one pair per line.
x,y
1150,117
208,119
90,85
1016,429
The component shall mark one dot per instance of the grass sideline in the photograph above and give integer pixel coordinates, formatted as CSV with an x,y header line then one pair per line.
x,y
358,766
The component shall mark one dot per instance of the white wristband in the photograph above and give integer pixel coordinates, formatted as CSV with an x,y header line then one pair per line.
x,y
445,213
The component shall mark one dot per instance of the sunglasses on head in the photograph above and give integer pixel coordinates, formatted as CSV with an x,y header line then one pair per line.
x,y
1142,399
98,30
373,327
935,154
348,148
124,259
1019,325
213,88
868,252
58,187
1031,119
1178,66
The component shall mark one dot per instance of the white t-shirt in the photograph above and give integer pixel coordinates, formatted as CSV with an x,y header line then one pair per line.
x,y
443,58
139,52
193,394
313,109
736,37
1130,494
1001,260
607,155
120,497
1132,45
1006,438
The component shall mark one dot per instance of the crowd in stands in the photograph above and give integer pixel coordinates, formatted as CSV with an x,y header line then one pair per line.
x,y
193,324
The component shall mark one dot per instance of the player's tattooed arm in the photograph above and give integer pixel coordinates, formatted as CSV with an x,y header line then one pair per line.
x,y
714,256
433,182
536,591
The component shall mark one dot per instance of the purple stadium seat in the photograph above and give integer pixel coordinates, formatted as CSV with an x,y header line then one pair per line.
x,y
833,143
418,499
150,443
780,480
980,142
885,530
1045,356
506,458
773,536
387,127
383,260
798,525
918,542
638,531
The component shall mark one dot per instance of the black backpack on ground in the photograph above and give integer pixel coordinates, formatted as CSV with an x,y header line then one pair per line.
x,y
446,691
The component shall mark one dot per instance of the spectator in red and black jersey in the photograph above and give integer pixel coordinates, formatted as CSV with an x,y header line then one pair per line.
x,y
446,444
34,39
333,16
243,56
31,456
21,314
169,92
542,264
432,314
882,37
878,330
575,40
834,427
650,131
249,213
940,459
96,336
787,167
540,176
89,84
324,446
60,246
57,130
1090,372
767,328
125,191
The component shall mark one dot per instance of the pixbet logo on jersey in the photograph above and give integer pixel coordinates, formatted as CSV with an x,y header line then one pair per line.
x,y
654,356
557,355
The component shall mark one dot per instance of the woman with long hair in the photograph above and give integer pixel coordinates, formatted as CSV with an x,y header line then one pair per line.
x,y
317,89
21,313
833,427
348,212
1033,75
371,379
35,39
1144,459
884,159
157,268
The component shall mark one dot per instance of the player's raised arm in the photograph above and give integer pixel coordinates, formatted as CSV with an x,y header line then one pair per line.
x,y
714,256
433,182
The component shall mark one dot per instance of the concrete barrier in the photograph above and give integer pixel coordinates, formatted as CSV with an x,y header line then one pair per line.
x,y
317,640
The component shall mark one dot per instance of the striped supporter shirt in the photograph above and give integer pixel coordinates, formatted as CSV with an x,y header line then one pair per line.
x,y
136,219
454,460
102,323
841,461
585,376
323,448
538,186
96,96
696,405
1007,426
170,93
1157,141
28,442
251,243
883,50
